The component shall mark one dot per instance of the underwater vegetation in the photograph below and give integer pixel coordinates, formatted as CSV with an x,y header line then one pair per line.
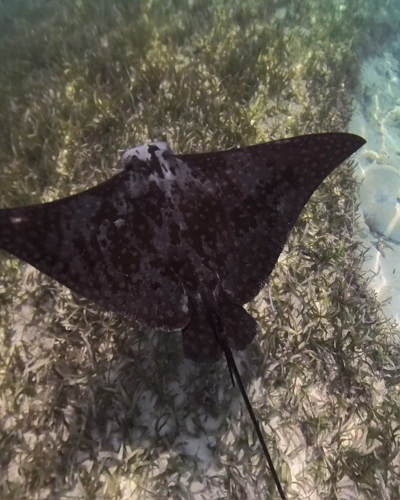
x,y
93,408
169,241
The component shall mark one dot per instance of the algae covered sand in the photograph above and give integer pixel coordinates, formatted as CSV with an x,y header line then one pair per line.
x,y
91,407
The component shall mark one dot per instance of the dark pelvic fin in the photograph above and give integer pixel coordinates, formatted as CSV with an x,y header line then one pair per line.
x,y
199,341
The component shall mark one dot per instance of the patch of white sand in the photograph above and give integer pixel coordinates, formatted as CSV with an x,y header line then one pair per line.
x,y
377,119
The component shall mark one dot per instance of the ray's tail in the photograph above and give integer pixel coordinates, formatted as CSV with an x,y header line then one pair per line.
x,y
218,328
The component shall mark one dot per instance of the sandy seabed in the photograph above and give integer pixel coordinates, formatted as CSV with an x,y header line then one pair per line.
x,y
377,119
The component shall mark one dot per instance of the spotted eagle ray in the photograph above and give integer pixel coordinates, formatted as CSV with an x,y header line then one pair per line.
x,y
181,241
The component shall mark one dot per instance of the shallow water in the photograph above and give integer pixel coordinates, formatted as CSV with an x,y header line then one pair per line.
x,y
91,406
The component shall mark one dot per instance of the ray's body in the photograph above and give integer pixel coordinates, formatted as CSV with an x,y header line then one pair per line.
x,y
181,241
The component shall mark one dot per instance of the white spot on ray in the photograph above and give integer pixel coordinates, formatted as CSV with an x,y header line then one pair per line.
x,y
17,220
119,223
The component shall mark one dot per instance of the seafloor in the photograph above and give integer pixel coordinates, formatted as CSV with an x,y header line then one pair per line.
x,y
377,118
92,407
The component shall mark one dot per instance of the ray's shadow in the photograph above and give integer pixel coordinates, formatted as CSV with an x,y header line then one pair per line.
x,y
144,398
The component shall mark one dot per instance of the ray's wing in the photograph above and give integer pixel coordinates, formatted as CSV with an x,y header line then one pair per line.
x,y
259,192
255,196
100,244
149,241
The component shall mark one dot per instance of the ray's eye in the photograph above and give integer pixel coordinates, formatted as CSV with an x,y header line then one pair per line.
x,y
132,163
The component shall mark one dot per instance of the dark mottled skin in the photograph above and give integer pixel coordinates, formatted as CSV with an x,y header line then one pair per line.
x,y
170,230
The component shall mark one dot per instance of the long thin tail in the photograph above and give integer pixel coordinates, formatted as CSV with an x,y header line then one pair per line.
x,y
218,328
